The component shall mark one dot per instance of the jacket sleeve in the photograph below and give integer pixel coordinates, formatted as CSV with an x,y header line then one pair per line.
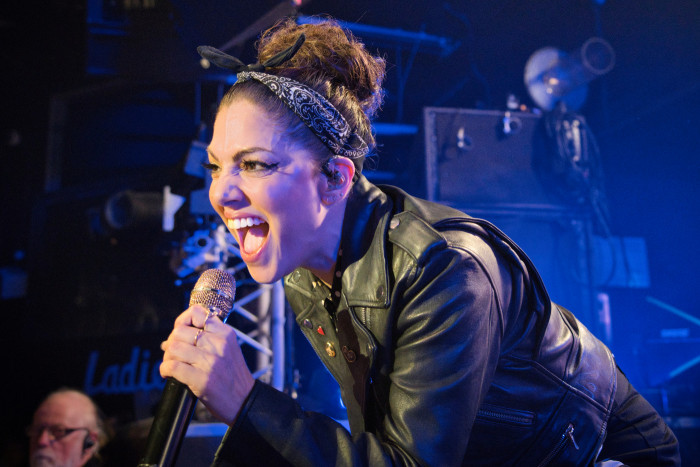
x,y
273,429
447,327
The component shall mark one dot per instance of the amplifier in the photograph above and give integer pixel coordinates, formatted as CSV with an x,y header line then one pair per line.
x,y
477,157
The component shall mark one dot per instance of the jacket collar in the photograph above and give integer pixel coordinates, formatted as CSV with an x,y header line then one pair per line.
x,y
365,280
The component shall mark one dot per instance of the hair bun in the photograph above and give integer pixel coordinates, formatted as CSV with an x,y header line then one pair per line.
x,y
333,62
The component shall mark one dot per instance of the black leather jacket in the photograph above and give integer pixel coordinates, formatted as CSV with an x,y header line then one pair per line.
x,y
446,348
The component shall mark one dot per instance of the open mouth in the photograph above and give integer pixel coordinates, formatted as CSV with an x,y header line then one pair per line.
x,y
251,233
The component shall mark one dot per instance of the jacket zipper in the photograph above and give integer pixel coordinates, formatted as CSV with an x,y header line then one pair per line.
x,y
566,437
502,414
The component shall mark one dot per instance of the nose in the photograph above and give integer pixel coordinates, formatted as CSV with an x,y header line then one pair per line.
x,y
44,438
226,190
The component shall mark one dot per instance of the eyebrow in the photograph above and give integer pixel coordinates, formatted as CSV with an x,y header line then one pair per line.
x,y
239,154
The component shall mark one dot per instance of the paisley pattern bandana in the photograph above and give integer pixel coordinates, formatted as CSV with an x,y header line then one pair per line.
x,y
317,113
322,118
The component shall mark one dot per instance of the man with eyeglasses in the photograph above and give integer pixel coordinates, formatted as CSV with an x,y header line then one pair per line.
x,y
67,430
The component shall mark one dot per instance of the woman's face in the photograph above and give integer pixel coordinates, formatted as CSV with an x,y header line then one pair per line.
x,y
267,191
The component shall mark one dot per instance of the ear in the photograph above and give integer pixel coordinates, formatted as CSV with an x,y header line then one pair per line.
x,y
89,448
336,180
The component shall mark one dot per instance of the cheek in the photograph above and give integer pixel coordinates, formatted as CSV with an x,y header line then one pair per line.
x,y
297,213
300,191
213,197
219,195
295,205
216,192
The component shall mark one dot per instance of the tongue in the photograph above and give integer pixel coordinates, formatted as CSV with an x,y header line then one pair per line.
x,y
253,239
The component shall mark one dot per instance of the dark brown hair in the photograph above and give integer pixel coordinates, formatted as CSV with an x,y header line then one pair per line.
x,y
332,62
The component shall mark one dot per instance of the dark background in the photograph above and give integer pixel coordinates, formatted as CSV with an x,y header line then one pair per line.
x,y
126,109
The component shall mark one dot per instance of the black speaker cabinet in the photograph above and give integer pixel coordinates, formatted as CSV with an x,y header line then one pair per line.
x,y
485,157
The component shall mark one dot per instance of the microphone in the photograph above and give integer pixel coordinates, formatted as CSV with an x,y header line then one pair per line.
x,y
215,290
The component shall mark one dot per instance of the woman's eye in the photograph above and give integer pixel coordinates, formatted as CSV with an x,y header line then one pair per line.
x,y
252,168
255,167
213,168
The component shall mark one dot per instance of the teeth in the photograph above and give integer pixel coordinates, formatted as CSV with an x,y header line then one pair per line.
x,y
243,222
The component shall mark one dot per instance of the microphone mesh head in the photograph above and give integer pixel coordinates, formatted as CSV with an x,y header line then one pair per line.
x,y
214,289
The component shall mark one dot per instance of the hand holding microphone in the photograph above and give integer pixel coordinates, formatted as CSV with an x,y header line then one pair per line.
x,y
202,360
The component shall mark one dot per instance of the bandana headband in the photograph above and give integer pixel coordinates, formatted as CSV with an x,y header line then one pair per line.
x,y
317,113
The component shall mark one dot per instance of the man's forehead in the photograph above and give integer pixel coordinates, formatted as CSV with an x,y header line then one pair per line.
x,y
67,408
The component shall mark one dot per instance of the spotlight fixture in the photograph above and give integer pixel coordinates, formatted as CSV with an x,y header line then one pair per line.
x,y
553,76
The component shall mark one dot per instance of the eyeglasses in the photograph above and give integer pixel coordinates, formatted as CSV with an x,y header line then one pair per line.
x,y
56,432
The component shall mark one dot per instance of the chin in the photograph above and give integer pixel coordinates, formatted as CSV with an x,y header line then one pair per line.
x,y
264,276
42,461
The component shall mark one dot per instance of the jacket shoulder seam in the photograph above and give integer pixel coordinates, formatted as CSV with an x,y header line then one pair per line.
x,y
415,235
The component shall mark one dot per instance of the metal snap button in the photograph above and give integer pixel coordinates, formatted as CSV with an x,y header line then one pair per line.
x,y
349,354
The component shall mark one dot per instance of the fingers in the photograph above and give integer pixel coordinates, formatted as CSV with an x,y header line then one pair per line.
x,y
197,336
203,353
183,372
199,347
191,324
187,354
180,343
193,316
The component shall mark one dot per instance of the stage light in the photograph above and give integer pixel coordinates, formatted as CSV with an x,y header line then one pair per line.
x,y
553,76
142,210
